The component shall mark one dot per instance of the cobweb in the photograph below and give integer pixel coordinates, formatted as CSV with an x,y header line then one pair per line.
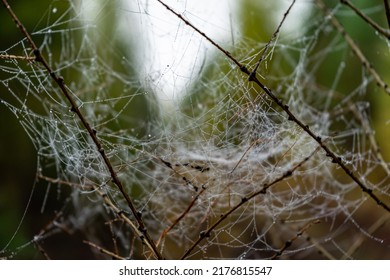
x,y
214,166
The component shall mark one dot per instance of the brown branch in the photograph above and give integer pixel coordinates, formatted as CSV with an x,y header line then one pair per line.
x,y
104,251
288,243
359,241
244,200
273,38
291,117
104,196
370,68
387,9
144,235
17,57
244,154
178,219
373,24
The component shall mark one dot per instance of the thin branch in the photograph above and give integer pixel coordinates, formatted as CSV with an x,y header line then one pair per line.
x,y
354,48
178,219
321,249
379,223
274,35
371,136
40,249
376,26
144,235
17,57
228,54
387,9
244,154
184,178
104,196
244,200
104,251
291,117
288,243
45,230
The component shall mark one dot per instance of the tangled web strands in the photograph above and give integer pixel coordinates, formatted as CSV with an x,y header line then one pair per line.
x,y
206,134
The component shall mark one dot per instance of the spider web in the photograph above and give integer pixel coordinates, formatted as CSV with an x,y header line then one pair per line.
x,y
214,167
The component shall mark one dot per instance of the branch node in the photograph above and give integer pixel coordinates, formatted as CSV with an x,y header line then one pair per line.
x,y
204,234
37,54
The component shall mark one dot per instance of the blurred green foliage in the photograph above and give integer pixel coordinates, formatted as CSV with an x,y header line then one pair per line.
x,y
21,199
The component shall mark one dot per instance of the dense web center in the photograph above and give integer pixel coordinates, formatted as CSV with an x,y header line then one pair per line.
x,y
236,130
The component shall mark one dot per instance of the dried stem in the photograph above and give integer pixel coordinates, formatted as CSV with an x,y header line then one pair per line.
x,y
104,196
274,35
387,9
288,243
356,245
104,251
291,116
376,26
178,219
16,57
144,235
370,68
246,199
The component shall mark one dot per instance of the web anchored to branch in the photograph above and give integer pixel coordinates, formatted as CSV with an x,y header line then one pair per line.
x,y
206,134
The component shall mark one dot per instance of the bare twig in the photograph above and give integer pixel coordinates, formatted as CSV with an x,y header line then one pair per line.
x,y
291,116
379,223
245,200
40,249
274,35
244,154
144,235
371,136
288,243
16,57
178,219
376,26
387,9
104,196
104,251
370,68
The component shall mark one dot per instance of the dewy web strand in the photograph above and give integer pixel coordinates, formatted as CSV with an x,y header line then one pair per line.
x,y
219,163
141,230
291,117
